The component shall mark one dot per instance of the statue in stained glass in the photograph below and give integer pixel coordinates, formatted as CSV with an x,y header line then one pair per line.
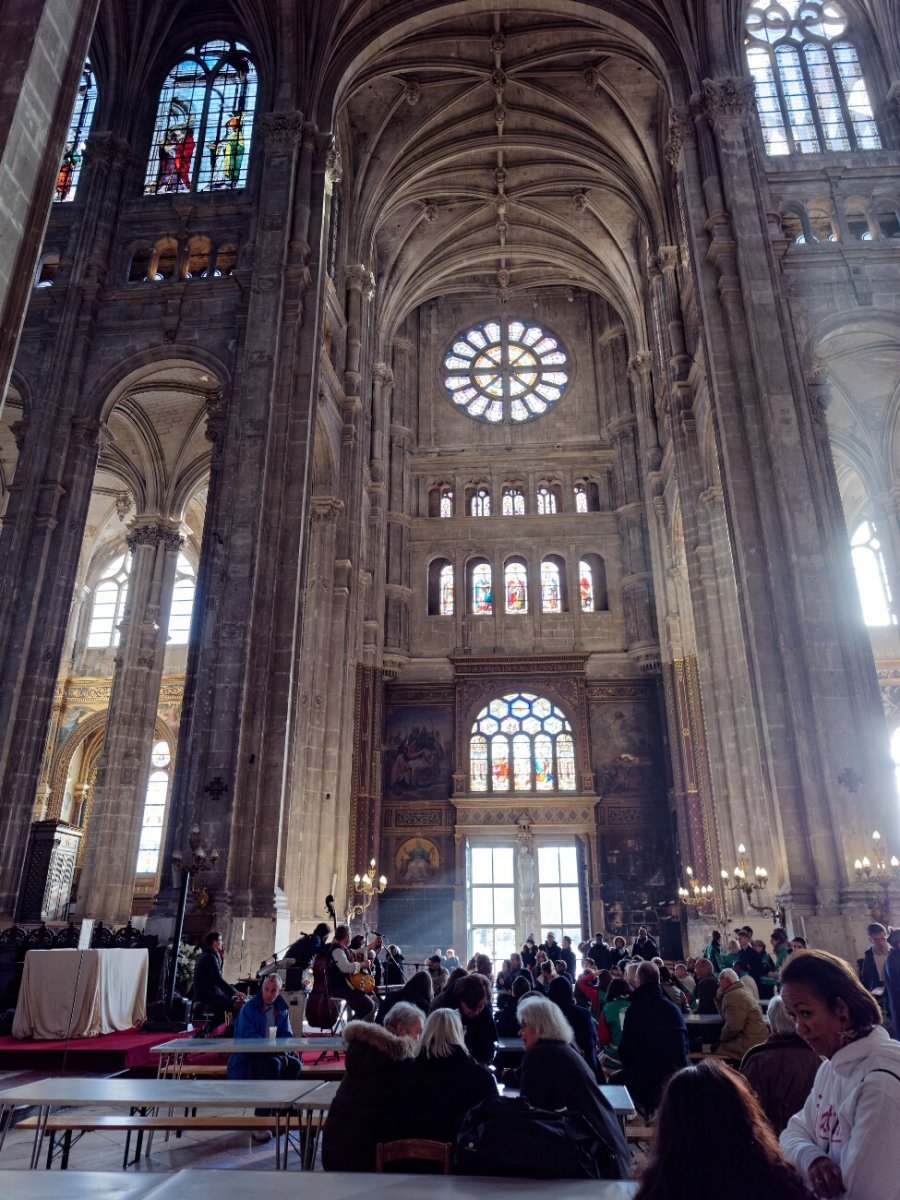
x,y
482,601
79,128
586,585
516,588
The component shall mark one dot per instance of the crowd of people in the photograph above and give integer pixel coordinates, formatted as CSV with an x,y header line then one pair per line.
x,y
804,1101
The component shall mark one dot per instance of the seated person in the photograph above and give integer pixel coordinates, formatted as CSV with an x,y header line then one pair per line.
x,y
447,1081
439,975
211,989
583,1034
417,991
372,1097
707,986
262,1012
507,1021
782,1070
742,1023
339,966
471,997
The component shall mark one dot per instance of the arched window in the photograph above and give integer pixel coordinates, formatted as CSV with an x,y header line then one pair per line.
x,y
481,596
480,503
810,91
521,743
446,502
441,593
871,576
513,502
47,269
182,603
109,604
592,583
581,499
79,127
587,496
553,576
547,500
154,810
204,122
515,578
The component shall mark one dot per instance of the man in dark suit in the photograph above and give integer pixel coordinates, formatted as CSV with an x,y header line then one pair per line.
x,y
211,989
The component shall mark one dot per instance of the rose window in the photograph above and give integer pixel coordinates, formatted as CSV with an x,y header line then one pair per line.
x,y
506,370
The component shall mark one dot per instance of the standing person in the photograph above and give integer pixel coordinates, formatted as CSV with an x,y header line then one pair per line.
x,y
393,966
439,974
451,959
618,953
567,954
871,972
644,946
551,947
561,994
210,988
750,955
714,952
339,966
712,1141
303,951
781,1070
892,982
844,1138
654,1039
529,954
599,951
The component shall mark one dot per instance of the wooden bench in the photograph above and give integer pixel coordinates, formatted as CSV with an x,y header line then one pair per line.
x,y
69,1123
195,1071
636,1131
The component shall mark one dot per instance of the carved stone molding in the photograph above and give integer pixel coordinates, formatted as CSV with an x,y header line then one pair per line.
x,y
360,279
412,92
281,131
429,211
106,150
334,169
326,508
19,430
96,435
681,134
726,101
154,534
382,373
667,257
640,364
124,504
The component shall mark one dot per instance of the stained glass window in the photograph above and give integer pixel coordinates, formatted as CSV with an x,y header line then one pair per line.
x,y
871,576
79,127
513,502
446,502
482,599
516,579
154,810
540,738
446,591
108,608
810,92
546,501
182,603
505,370
581,499
586,586
551,587
481,503
204,122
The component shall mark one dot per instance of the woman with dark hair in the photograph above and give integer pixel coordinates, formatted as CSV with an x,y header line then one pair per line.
x,y
712,1140
844,1139
619,952
418,991
714,951
507,1020
442,998
471,997
609,1027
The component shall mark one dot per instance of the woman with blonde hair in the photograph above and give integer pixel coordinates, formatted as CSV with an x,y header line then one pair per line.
x,y
844,1139
446,1080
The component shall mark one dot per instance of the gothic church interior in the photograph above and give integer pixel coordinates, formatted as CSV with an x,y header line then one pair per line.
x,y
464,436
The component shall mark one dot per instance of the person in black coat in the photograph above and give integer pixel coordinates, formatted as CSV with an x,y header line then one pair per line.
x,y
644,946
707,987
529,954
370,1098
553,1075
446,1081
210,987
568,955
600,952
562,994
471,998
750,955
654,1039
551,947
507,1021
418,991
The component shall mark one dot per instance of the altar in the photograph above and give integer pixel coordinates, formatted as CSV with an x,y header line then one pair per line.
x,y
81,993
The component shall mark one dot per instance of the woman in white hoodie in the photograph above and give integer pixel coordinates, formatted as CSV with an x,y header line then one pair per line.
x,y
844,1139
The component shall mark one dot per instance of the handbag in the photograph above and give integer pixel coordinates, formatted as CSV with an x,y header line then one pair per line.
x,y
508,1137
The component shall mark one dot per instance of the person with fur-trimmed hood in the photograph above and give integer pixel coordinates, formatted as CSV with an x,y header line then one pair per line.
x,y
374,1091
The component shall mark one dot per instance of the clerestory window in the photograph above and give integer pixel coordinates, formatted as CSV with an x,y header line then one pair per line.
x,y
521,743
79,127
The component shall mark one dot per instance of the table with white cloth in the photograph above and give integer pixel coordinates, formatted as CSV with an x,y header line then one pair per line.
x,y
81,993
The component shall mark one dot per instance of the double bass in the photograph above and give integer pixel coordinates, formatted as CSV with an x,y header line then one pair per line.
x,y
321,1010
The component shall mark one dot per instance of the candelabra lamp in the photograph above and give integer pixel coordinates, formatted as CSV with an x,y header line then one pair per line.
x,y
698,896
366,887
186,872
883,872
740,880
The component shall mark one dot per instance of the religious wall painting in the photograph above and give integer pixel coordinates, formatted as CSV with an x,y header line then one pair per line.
x,y
70,721
417,753
417,860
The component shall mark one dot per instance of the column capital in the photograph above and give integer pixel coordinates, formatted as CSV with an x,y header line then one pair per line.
x,y
326,508
334,168
106,149
681,134
640,364
96,435
360,279
153,533
667,257
727,101
383,374
281,131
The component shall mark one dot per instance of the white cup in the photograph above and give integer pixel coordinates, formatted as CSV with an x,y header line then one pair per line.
x,y
273,1033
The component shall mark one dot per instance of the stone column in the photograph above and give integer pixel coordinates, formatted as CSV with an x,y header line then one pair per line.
x,y
106,886
43,44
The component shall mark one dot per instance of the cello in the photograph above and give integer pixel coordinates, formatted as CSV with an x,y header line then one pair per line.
x,y
321,1010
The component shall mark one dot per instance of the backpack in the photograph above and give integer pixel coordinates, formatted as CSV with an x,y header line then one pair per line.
x,y
505,1136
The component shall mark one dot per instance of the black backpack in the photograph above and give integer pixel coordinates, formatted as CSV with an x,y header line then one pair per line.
x,y
506,1136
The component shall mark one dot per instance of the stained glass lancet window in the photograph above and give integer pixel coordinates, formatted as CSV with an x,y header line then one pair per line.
x,y
445,600
446,502
546,501
586,586
154,810
810,91
521,742
79,128
505,370
481,503
482,598
513,502
871,576
551,587
516,580
204,122
581,499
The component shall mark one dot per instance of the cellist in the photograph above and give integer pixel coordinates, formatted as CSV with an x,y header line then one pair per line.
x,y
340,965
